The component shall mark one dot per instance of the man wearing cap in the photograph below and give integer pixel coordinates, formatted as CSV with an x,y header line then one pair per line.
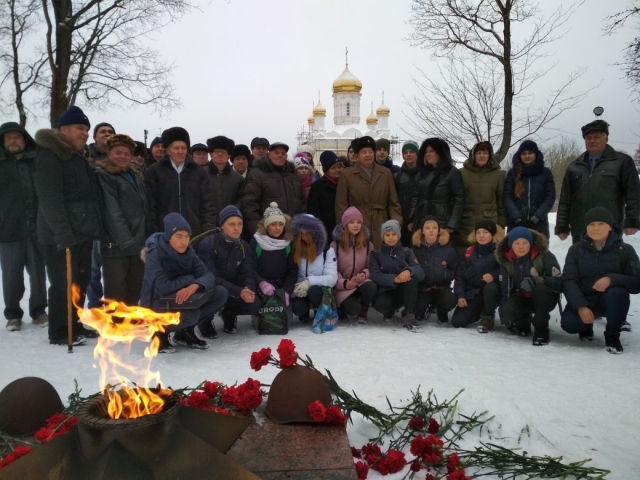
x,y
18,243
200,154
69,215
177,184
259,148
406,181
383,147
225,182
272,180
156,152
98,149
600,177
322,195
240,159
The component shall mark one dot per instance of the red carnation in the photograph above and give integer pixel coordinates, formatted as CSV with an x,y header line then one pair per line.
x,y
458,475
453,462
287,352
317,411
428,448
248,396
19,451
57,424
334,416
260,359
415,466
355,452
211,388
229,395
416,423
434,426
392,462
198,399
371,453
362,469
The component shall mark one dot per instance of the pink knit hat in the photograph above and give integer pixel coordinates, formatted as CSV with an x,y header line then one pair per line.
x,y
351,213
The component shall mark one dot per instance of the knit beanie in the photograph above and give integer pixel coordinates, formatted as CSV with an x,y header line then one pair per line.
x,y
73,116
488,225
273,214
528,145
383,143
599,214
430,218
351,213
103,124
307,149
390,225
300,160
519,232
174,222
410,145
328,159
155,142
227,212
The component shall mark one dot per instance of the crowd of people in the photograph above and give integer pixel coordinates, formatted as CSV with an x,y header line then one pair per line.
x,y
218,228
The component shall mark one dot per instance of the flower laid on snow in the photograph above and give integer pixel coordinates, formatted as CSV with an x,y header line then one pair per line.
x,y
434,426
392,462
415,466
287,353
211,388
331,414
57,424
458,475
260,359
428,449
18,452
362,469
416,423
453,462
371,453
355,453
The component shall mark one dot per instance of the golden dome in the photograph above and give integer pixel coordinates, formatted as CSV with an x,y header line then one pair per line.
x,y
372,119
383,110
319,109
311,120
347,82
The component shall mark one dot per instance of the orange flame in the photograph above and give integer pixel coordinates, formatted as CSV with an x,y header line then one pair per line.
x,y
119,325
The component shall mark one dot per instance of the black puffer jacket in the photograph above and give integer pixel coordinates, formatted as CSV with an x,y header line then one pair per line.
x,y
188,194
612,184
267,183
538,197
406,182
68,193
322,202
391,166
439,261
226,187
514,270
18,200
477,261
440,191
585,265
385,263
125,211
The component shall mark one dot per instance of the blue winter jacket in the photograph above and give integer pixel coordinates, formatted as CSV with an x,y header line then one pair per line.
x,y
385,263
438,261
480,261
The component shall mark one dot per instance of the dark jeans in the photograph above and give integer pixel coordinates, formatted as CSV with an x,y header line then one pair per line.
x,y
402,294
441,298
14,257
517,308
123,278
484,303
613,304
192,317
362,297
56,264
240,307
301,305
95,291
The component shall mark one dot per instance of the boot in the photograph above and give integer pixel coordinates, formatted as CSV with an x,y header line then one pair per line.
x,y
207,329
164,345
230,322
486,323
612,342
362,316
342,316
587,335
540,338
443,317
188,338
625,327
411,324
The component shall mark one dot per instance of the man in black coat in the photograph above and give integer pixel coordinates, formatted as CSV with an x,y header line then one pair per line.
x,y
383,147
600,177
226,183
68,215
98,149
200,154
322,195
156,152
178,184
406,182
18,213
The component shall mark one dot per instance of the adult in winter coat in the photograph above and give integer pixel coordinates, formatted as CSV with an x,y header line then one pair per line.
x,y
68,215
156,152
406,182
477,288
272,180
600,177
98,149
529,190
226,183
600,272
125,212
322,195
173,268
369,187
230,259
383,147
530,283
271,245
19,247
483,181
317,267
354,289
439,262
440,191
178,184
200,154
395,271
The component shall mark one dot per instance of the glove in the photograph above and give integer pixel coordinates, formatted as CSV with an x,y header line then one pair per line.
x,y
518,221
266,288
534,220
529,283
301,289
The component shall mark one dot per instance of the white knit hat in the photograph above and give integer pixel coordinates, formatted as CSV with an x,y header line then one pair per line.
x,y
273,214
299,161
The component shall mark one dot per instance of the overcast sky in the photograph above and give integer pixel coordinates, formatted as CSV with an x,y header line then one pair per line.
x,y
246,68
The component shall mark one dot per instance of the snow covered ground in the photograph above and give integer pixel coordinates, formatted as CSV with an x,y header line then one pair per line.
x,y
577,400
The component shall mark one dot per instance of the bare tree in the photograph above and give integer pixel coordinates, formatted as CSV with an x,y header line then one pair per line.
x,y
501,73
557,158
631,64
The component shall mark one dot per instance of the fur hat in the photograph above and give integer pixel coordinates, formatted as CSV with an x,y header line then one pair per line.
x,y
199,147
442,149
363,142
383,143
307,149
275,145
519,232
73,116
273,214
328,159
102,124
221,142
410,145
595,126
311,224
393,225
257,141
175,134
174,222
351,213
241,151
155,142
300,160
121,140
599,214
487,224
227,212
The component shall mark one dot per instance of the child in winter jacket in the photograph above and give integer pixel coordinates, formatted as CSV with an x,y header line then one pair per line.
x,y
600,272
354,289
317,268
530,282
476,286
395,270
172,267
439,262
